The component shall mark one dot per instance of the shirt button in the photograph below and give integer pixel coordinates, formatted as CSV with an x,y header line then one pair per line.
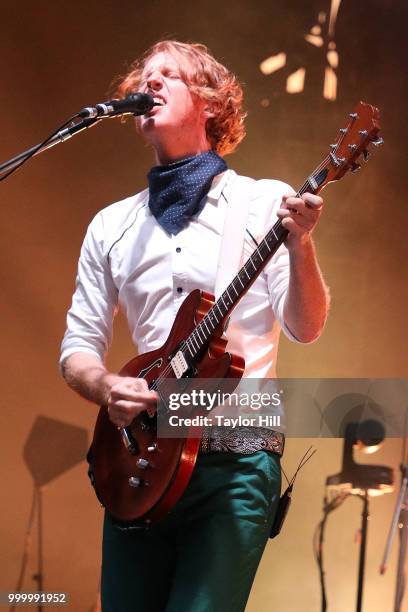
x,y
179,289
178,250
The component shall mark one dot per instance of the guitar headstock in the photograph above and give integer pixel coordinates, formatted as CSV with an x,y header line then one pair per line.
x,y
353,141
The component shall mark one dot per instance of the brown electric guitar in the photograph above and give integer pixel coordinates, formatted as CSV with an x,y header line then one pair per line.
x,y
139,476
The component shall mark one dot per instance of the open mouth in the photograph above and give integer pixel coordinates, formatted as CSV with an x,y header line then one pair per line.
x,y
159,101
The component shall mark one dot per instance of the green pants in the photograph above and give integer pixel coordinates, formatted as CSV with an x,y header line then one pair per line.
x,y
202,557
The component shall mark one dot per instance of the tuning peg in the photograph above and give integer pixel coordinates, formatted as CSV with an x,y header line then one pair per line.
x,y
343,130
366,154
355,167
353,116
378,141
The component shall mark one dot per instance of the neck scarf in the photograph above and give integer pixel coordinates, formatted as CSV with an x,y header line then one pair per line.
x,y
176,191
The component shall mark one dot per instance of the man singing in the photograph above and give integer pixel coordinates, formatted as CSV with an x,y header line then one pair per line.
x,y
146,253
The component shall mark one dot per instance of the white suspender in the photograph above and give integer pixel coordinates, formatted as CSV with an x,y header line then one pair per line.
x,y
233,234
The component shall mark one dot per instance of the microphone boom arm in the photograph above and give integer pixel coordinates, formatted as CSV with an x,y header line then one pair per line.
x,y
61,136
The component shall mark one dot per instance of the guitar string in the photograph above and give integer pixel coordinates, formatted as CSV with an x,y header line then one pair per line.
x,y
194,334
200,327
256,253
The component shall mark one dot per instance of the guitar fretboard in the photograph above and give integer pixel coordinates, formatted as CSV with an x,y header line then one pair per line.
x,y
223,307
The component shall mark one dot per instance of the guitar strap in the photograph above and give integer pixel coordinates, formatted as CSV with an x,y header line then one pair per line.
x,y
238,196
232,245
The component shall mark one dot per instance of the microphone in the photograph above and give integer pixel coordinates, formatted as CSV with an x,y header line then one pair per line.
x,y
134,104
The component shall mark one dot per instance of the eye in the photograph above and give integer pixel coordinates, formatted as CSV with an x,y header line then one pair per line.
x,y
171,74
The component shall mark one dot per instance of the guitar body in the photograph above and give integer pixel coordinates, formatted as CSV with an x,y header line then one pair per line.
x,y
160,484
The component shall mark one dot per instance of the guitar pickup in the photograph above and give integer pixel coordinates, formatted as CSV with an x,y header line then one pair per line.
x,y
179,364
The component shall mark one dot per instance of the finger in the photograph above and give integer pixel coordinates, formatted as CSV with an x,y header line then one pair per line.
x,y
312,201
137,384
289,195
120,421
295,207
301,217
305,217
294,228
125,409
292,202
149,397
122,416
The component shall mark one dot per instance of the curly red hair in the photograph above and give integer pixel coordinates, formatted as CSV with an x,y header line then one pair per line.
x,y
209,80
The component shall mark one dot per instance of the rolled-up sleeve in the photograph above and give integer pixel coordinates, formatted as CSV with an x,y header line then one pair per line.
x,y
277,271
94,303
277,274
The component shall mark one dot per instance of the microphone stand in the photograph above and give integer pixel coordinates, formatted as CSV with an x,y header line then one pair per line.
x,y
61,136
135,104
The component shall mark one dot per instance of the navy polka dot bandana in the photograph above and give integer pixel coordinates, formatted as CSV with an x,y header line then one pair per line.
x,y
176,191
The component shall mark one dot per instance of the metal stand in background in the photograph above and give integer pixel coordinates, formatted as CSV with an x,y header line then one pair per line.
x,y
363,547
52,448
399,519
362,481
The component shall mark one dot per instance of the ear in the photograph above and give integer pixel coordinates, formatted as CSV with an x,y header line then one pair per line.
x,y
209,112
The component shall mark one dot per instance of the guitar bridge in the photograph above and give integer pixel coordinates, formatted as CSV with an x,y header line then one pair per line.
x,y
179,364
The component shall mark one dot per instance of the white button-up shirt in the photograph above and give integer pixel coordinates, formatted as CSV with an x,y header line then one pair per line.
x,y
129,260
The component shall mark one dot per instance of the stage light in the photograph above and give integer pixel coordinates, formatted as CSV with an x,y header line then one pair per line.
x,y
356,478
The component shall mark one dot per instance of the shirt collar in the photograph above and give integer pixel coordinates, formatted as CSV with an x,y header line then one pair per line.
x,y
218,185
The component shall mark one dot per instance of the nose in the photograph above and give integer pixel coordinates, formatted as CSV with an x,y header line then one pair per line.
x,y
155,82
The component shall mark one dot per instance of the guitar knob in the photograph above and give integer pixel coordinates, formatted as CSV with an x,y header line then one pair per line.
x,y
142,463
134,481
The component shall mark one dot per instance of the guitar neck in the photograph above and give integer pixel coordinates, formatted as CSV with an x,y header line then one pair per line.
x,y
225,304
362,129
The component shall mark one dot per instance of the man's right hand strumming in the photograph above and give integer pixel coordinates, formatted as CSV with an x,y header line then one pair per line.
x,y
124,396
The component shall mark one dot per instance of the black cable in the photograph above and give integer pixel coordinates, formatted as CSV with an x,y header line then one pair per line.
x,y
318,541
303,462
37,148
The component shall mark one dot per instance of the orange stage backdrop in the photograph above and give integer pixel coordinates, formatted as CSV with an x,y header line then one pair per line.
x,y
58,57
